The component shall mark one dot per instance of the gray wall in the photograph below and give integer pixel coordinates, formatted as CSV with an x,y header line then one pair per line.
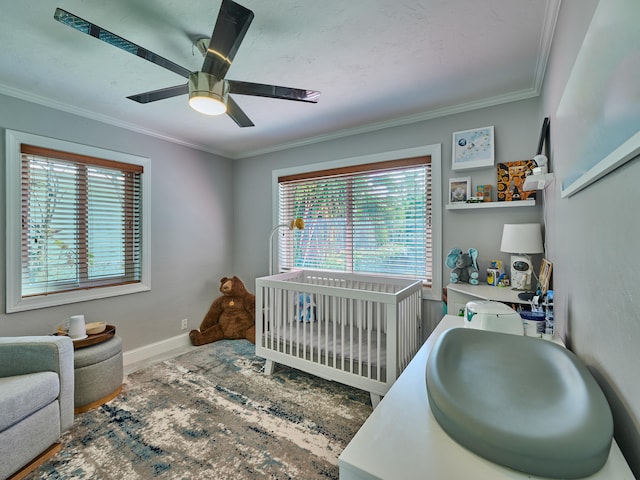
x,y
517,129
191,228
592,240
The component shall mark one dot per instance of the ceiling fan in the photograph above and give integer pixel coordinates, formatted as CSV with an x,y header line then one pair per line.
x,y
208,88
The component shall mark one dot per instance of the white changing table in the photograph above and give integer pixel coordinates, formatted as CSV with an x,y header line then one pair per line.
x,y
402,439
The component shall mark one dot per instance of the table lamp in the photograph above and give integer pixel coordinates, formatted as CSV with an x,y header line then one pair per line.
x,y
521,240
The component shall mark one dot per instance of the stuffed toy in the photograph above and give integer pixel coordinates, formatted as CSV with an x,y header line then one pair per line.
x,y
464,265
306,308
230,316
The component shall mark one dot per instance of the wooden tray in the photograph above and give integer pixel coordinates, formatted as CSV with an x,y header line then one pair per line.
x,y
109,332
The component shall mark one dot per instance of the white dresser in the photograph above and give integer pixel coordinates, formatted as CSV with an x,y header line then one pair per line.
x,y
402,439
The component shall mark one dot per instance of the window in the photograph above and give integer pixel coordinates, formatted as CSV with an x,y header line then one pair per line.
x,y
81,223
374,218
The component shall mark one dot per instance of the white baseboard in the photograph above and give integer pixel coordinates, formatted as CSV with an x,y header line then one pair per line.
x,y
154,349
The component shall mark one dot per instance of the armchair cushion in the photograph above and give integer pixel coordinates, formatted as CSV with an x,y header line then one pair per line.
x,y
36,400
22,395
25,355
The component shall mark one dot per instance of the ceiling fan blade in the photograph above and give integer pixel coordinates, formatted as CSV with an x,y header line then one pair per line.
x,y
106,36
273,91
160,94
236,113
231,26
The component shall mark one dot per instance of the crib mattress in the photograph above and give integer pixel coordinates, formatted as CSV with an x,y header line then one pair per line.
x,y
352,347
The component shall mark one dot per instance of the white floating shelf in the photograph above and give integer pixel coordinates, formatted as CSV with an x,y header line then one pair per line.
x,y
471,206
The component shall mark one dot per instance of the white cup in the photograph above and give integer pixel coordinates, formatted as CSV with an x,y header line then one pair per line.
x,y
77,328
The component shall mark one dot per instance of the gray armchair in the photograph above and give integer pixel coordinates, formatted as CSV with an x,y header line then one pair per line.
x,y
36,400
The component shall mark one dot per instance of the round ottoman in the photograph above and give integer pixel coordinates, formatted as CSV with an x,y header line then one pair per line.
x,y
98,374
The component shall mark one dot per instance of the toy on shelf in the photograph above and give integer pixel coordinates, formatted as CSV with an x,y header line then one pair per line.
x,y
464,265
484,192
495,273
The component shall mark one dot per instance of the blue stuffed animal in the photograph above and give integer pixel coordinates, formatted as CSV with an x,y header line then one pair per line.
x,y
306,308
464,265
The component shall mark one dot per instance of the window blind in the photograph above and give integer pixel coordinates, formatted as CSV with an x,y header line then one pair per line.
x,y
372,218
81,221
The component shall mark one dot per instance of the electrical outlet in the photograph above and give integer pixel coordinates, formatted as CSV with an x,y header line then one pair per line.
x,y
184,324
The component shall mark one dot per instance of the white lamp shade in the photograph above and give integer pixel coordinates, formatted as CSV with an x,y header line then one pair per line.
x,y
522,238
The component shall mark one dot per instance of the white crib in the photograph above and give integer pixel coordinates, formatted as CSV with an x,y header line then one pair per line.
x,y
359,330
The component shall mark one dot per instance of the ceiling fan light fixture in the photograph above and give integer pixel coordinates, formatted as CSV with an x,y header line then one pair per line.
x,y
208,90
207,94
208,105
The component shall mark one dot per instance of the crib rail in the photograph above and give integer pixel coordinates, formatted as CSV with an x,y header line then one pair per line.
x,y
355,329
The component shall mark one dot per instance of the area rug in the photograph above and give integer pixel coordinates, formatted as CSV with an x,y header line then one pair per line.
x,y
213,414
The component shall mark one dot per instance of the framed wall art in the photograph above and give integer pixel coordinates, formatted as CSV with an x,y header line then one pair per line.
x,y
511,176
473,149
598,117
459,189
545,275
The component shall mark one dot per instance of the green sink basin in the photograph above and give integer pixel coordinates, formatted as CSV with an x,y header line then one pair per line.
x,y
521,402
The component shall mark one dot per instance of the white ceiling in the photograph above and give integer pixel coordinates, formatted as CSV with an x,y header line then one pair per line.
x,y
376,62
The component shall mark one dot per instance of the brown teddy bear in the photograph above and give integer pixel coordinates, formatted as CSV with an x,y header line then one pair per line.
x,y
230,316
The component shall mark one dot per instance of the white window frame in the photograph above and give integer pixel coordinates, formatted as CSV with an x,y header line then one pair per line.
x,y
14,300
434,151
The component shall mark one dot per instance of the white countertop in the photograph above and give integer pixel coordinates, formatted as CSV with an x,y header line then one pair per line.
x,y
402,439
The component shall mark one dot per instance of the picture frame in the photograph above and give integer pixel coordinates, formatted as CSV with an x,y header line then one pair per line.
x,y
545,275
473,148
459,189
544,138
511,177
597,123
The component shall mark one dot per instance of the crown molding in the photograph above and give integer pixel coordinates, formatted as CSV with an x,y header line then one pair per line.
x,y
49,103
400,121
348,132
